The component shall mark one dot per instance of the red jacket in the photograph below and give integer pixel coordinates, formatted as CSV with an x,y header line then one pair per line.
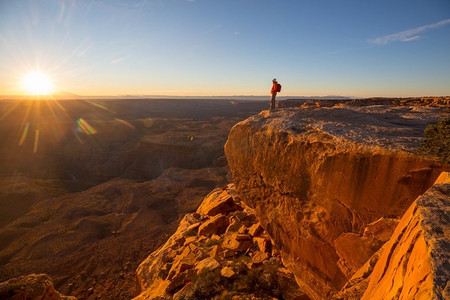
x,y
274,88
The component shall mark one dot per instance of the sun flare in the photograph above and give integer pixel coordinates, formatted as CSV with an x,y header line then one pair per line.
x,y
37,83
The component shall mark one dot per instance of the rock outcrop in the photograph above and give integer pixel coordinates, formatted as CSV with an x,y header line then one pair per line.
x,y
33,287
415,262
233,257
329,184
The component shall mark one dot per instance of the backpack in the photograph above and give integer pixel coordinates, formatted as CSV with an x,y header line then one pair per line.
x,y
278,87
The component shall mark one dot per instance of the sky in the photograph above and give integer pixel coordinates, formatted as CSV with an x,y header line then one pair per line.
x,y
359,48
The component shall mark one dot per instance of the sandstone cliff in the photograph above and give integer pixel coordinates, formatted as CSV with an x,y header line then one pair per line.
x,y
329,184
414,263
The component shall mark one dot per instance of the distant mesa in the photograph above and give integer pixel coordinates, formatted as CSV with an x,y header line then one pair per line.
x,y
66,95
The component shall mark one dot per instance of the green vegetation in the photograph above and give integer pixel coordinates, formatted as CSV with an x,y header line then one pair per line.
x,y
212,242
260,282
437,140
191,232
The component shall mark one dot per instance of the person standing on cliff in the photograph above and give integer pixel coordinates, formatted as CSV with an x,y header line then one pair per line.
x,y
276,87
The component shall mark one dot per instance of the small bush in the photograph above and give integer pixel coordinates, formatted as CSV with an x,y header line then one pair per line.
x,y
205,285
437,140
261,282
212,242
191,232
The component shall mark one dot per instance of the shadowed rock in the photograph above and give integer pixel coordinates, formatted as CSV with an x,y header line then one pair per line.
x,y
33,287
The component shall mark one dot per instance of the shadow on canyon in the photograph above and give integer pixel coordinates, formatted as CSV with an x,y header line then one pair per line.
x,y
88,188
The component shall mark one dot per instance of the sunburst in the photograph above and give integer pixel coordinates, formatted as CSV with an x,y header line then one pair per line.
x,y
37,83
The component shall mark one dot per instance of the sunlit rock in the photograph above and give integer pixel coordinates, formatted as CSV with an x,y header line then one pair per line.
x,y
314,174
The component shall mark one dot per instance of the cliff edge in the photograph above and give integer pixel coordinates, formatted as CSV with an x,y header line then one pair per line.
x,y
330,184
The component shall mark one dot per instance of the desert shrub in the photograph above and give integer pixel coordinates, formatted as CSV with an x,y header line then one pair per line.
x,y
205,285
163,272
191,232
261,282
212,242
437,140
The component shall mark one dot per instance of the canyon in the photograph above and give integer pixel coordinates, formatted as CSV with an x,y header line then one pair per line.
x,y
329,200
86,201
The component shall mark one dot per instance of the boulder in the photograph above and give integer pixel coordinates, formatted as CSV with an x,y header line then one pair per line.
x,y
227,253
237,242
259,257
264,244
217,202
215,251
190,240
243,229
33,287
234,226
215,225
215,237
179,267
227,272
179,280
207,263
255,229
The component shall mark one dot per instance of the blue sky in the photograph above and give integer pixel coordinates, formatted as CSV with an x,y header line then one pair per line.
x,y
228,47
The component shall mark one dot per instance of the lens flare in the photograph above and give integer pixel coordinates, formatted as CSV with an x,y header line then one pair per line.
x,y
85,127
37,83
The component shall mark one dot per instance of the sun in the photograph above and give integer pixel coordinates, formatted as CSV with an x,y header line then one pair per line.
x,y
37,83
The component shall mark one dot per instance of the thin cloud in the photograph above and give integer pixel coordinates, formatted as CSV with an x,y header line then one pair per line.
x,y
115,61
413,38
408,35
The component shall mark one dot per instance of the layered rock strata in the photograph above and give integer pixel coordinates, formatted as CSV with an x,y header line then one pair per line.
x,y
413,264
220,250
415,261
329,183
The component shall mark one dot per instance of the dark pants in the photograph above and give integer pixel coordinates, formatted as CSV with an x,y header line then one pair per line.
x,y
272,101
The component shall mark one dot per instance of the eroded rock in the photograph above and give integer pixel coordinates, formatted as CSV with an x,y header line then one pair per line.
x,y
187,263
414,263
312,175
215,225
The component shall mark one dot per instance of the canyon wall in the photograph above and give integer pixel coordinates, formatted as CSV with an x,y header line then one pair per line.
x,y
329,184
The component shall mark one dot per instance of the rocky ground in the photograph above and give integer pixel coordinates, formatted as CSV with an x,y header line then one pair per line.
x,y
33,286
219,252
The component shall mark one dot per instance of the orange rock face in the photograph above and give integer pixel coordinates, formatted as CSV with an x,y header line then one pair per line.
x,y
312,175
414,263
